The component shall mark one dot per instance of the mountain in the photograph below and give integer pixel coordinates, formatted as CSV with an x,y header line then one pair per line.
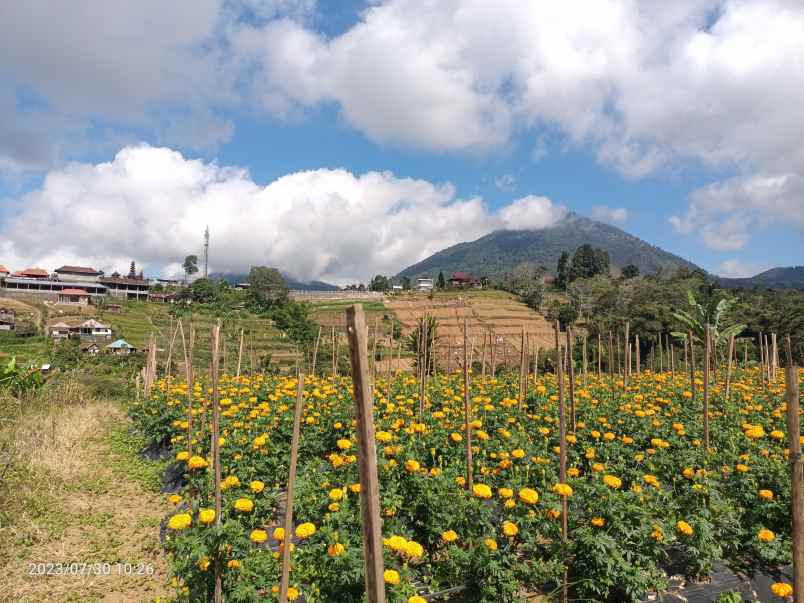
x,y
501,250
788,277
293,284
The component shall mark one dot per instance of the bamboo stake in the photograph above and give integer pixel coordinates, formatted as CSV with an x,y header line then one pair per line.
x,y
796,474
562,435
315,351
692,365
728,369
774,356
672,357
627,354
483,360
599,357
571,371
216,452
585,366
334,354
367,457
288,523
449,355
707,353
493,344
523,384
638,356
188,373
240,352
536,363
467,409
611,357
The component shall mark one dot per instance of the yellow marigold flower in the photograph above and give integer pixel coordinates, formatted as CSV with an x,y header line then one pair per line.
x,y
354,488
563,489
518,453
344,444
233,564
777,435
384,436
529,496
505,492
598,467
766,535
416,599
481,491
573,472
244,505
174,498
491,544
258,536
657,534
510,529
336,549
651,480
336,494
206,516
305,530
455,437
684,528
782,589
197,462
257,486
413,549
391,576
293,593
598,522
203,563
230,481
182,456
412,466
612,481
278,534
449,536
688,473
741,468
334,507
180,521
766,494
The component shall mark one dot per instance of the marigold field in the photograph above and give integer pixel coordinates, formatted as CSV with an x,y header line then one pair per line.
x,y
644,496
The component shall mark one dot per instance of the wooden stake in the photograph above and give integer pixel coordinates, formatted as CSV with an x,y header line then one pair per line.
x,y
627,354
638,355
483,360
571,371
288,524
367,456
707,353
216,452
562,435
188,374
796,474
692,364
240,352
315,351
728,369
523,368
467,409
599,357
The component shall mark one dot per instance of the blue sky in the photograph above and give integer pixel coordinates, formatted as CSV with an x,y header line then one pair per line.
x,y
419,121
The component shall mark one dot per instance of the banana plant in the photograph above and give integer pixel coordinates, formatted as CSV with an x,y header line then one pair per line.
x,y
712,314
17,380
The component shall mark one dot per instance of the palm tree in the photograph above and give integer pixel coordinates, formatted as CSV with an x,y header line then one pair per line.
x,y
712,314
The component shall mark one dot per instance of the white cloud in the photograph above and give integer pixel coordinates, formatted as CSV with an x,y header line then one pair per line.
x,y
725,214
506,182
531,213
614,215
736,268
151,205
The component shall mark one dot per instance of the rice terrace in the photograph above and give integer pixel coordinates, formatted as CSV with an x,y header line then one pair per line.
x,y
401,301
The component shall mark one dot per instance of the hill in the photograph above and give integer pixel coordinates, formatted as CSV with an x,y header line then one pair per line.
x,y
293,284
788,277
501,250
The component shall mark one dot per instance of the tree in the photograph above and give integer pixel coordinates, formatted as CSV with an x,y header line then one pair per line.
x,y
132,271
711,313
190,266
588,262
406,284
380,283
203,291
562,277
266,287
442,282
630,271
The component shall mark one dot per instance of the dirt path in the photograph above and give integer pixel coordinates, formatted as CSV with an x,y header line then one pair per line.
x,y
85,500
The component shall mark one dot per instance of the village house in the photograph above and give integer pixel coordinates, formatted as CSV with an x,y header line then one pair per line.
x,y
424,284
114,308
60,330
120,347
91,348
8,319
36,273
81,274
74,296
93,328
160,298
126,287
464,280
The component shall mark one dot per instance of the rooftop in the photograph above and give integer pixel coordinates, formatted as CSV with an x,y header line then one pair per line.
x,y
72,291
78,270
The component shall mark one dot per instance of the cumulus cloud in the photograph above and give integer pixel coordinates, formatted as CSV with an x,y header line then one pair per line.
x,y
736,268
614,215
152,205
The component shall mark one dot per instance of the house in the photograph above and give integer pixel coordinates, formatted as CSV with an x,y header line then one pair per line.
x,y
50,287
82,274
3,272
114,308
464,280
120,347
126,287
424,284
397,288
36,273
93,328
8,319
74,296
91,348
160,298
61,330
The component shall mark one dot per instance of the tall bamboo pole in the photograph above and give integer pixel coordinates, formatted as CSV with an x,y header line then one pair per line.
x,y
467,409
562,443
367,457
288,523
216,451
707,354
315,351
571,371
796,473
728,369
692,364
240,352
